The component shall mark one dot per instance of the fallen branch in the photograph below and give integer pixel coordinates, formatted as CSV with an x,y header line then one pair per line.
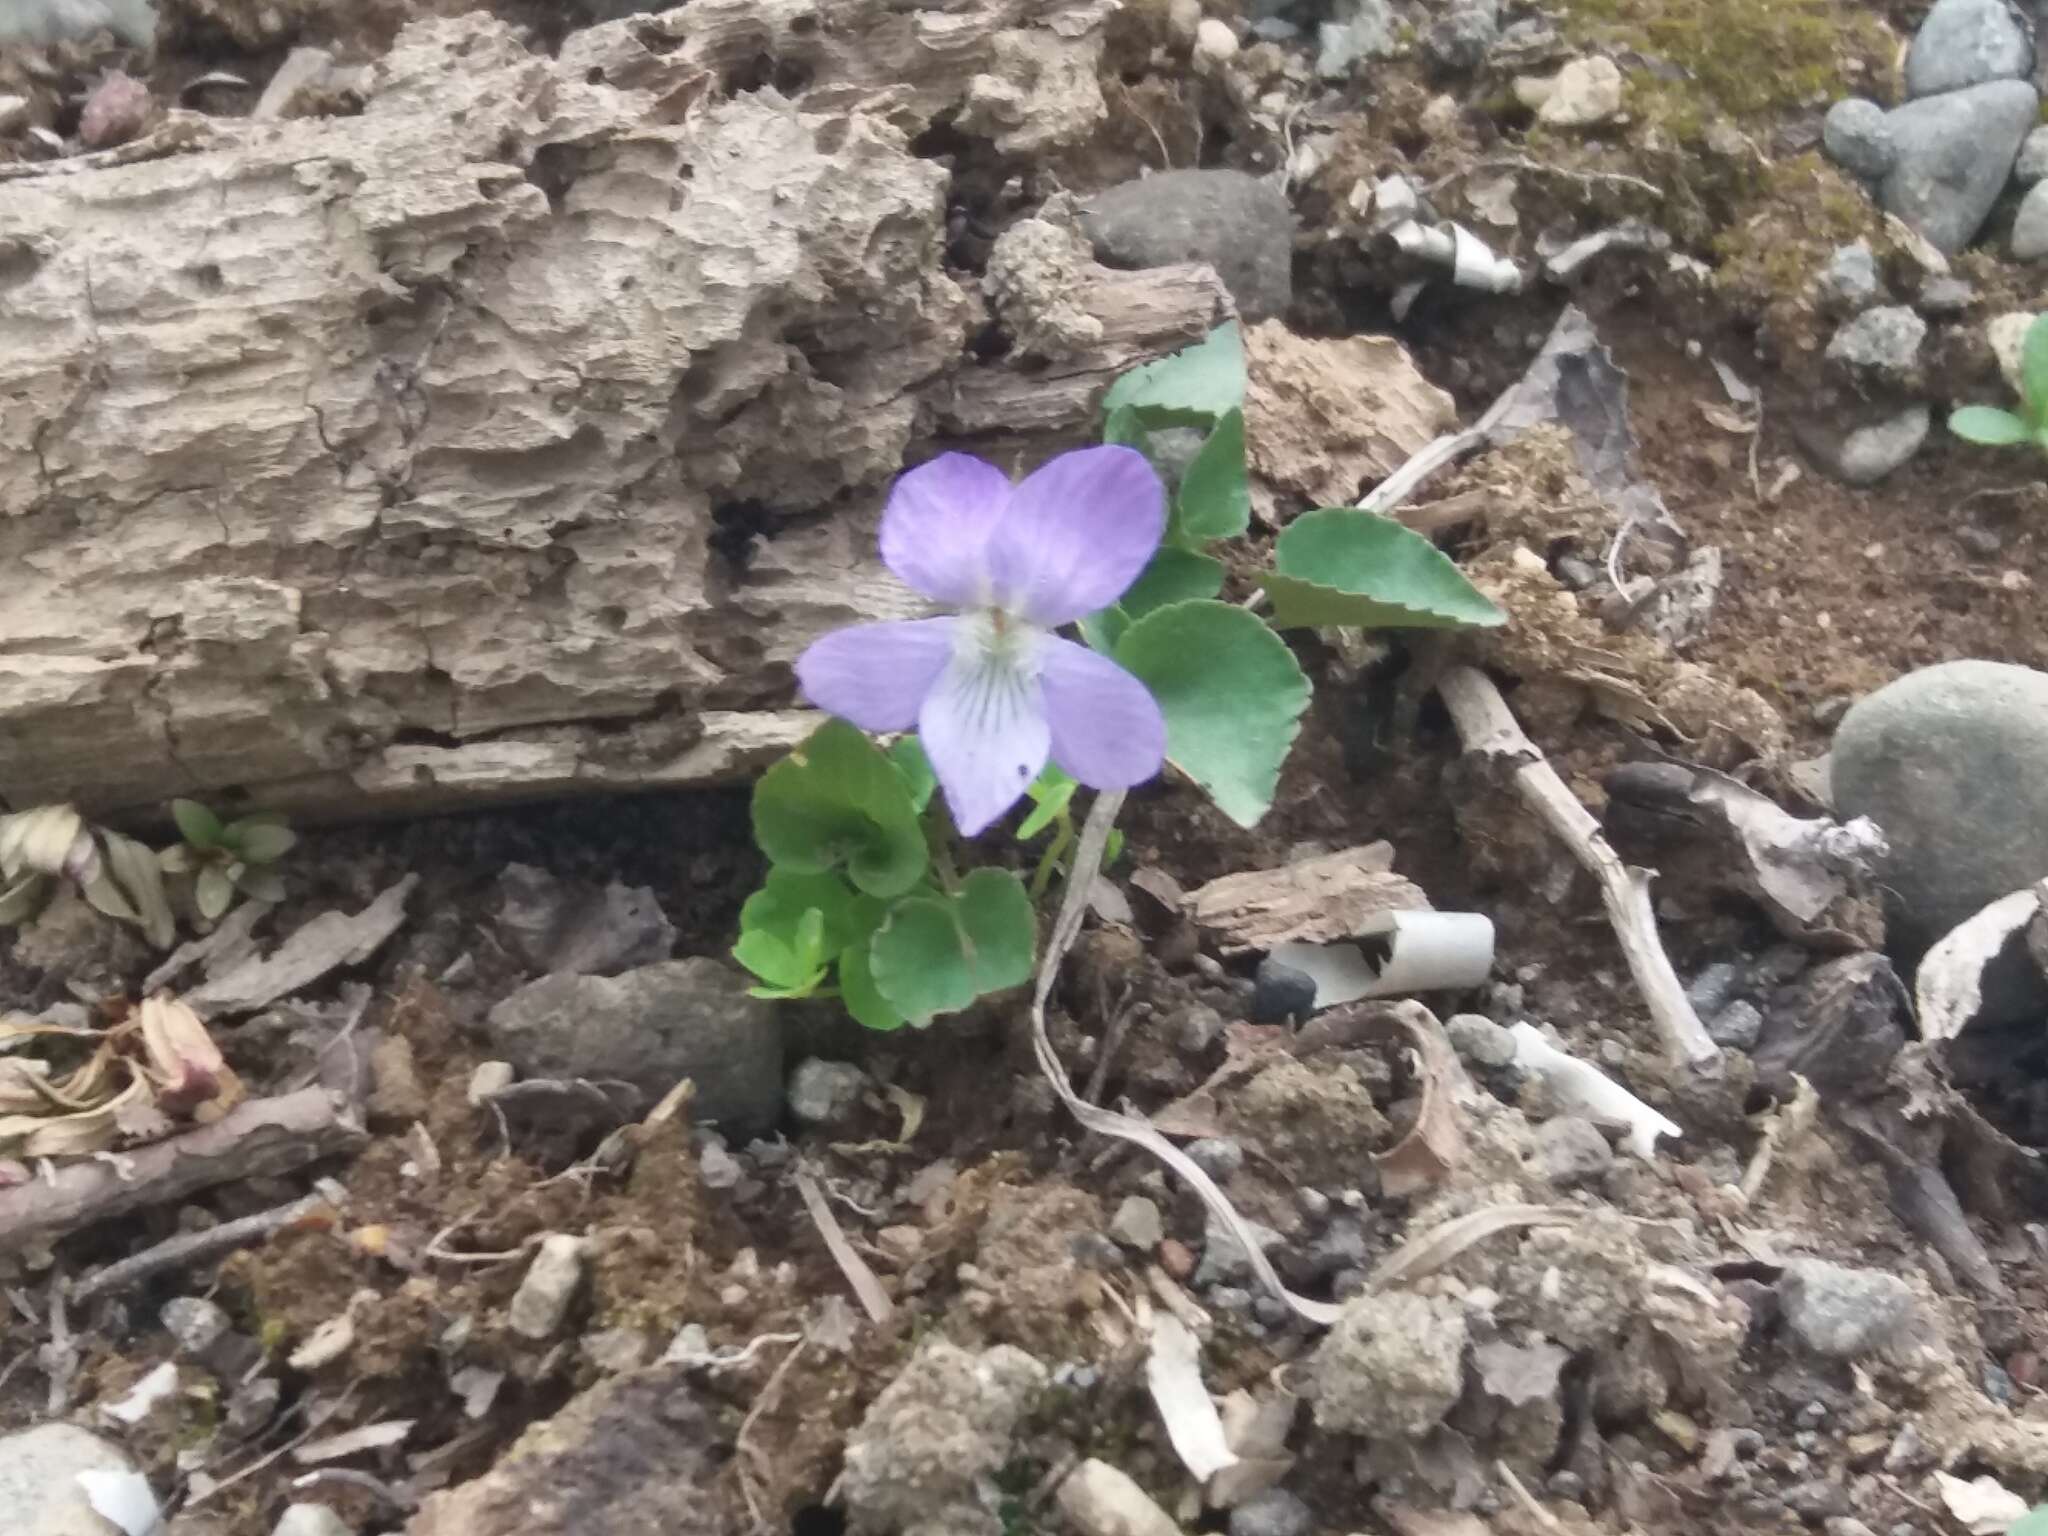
x,y
1487,728
189,1248
260,1139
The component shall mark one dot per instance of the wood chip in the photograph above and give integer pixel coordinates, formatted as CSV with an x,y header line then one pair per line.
x,y
1313,900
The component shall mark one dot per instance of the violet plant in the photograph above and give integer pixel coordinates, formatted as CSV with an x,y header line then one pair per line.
x,y
1085,646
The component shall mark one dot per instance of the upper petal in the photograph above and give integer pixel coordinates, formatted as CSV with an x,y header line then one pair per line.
x,y
936,527
983,729
1078,531
876,675
1107,731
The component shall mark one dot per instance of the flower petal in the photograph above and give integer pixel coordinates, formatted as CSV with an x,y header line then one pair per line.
x,y
876,676
936,527
1078,531
1107,731
983,729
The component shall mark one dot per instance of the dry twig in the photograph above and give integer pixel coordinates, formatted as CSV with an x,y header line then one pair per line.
x,y
1488,729
866,1288
197,1247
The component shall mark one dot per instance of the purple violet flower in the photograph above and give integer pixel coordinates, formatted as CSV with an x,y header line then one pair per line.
x,y
992,692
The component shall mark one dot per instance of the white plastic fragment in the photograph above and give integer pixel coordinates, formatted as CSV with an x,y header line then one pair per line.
x,y
125,1498
1471,260
1983,1506
1950,981
1427,952
1584,1089
1173,1375
144,1395
1629,235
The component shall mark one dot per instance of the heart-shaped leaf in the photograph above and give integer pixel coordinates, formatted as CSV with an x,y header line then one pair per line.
x,y
260,839
1232,694
1215,496
937,954
863,999
1340,566
835,801
907,753
1194,386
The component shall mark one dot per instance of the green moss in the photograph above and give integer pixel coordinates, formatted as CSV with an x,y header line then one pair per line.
x,y
1741,59
1797,212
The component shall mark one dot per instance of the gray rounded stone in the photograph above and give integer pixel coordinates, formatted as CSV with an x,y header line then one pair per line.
x,y
1881,344
1241,225
1964,43
1849,281
1955,152
2030,224
825,1092
1858,139
1276,1512
1461,40
39,1489
653,1027
1868,451
1948,761
1843,1313
2032,164
1571,1150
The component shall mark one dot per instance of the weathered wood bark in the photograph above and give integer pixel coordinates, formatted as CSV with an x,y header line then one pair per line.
x,y
510,438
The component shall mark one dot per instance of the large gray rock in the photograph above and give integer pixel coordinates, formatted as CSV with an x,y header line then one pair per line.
x,y
1361,29
39,1490
653,1027
1949,762
1964,43
1955,152
1240,225
1461,39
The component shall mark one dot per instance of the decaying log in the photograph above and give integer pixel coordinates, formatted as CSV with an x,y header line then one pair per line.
x,y
509,438
259,1139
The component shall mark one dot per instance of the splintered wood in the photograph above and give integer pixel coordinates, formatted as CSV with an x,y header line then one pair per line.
x,y
1316,901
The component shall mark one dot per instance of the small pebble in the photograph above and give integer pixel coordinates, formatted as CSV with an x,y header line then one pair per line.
x,y
1813,1415
1998,1385
488,1079
1137,1224
1215,43
1271,1310
716,1167
1095,1250
1312,1203
1347,1283
1230,1298
1736,1027
541,1303
196,1323
1567,1485
1176,1258
1281,994
1714,987
825,1092
1479,1040
114,112
1216,1156
1200,1027
1946,296
1276,1512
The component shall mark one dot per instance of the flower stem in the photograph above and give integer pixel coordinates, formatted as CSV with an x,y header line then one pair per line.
x,y
1062,840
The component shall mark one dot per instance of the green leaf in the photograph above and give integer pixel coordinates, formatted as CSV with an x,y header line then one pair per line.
x,y
937,954
1112,846
1215,499
1338,565
907,753
862,998
2034,370
771,959
1104,627
213,893
1988,425
134,868
261,839
196,824
1232,694
1122,427
1050,793
177,859
1193,386
845,916
837,800
1174,576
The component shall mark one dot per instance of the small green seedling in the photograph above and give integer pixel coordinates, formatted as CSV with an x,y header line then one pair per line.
x,y
1994,428
225,857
